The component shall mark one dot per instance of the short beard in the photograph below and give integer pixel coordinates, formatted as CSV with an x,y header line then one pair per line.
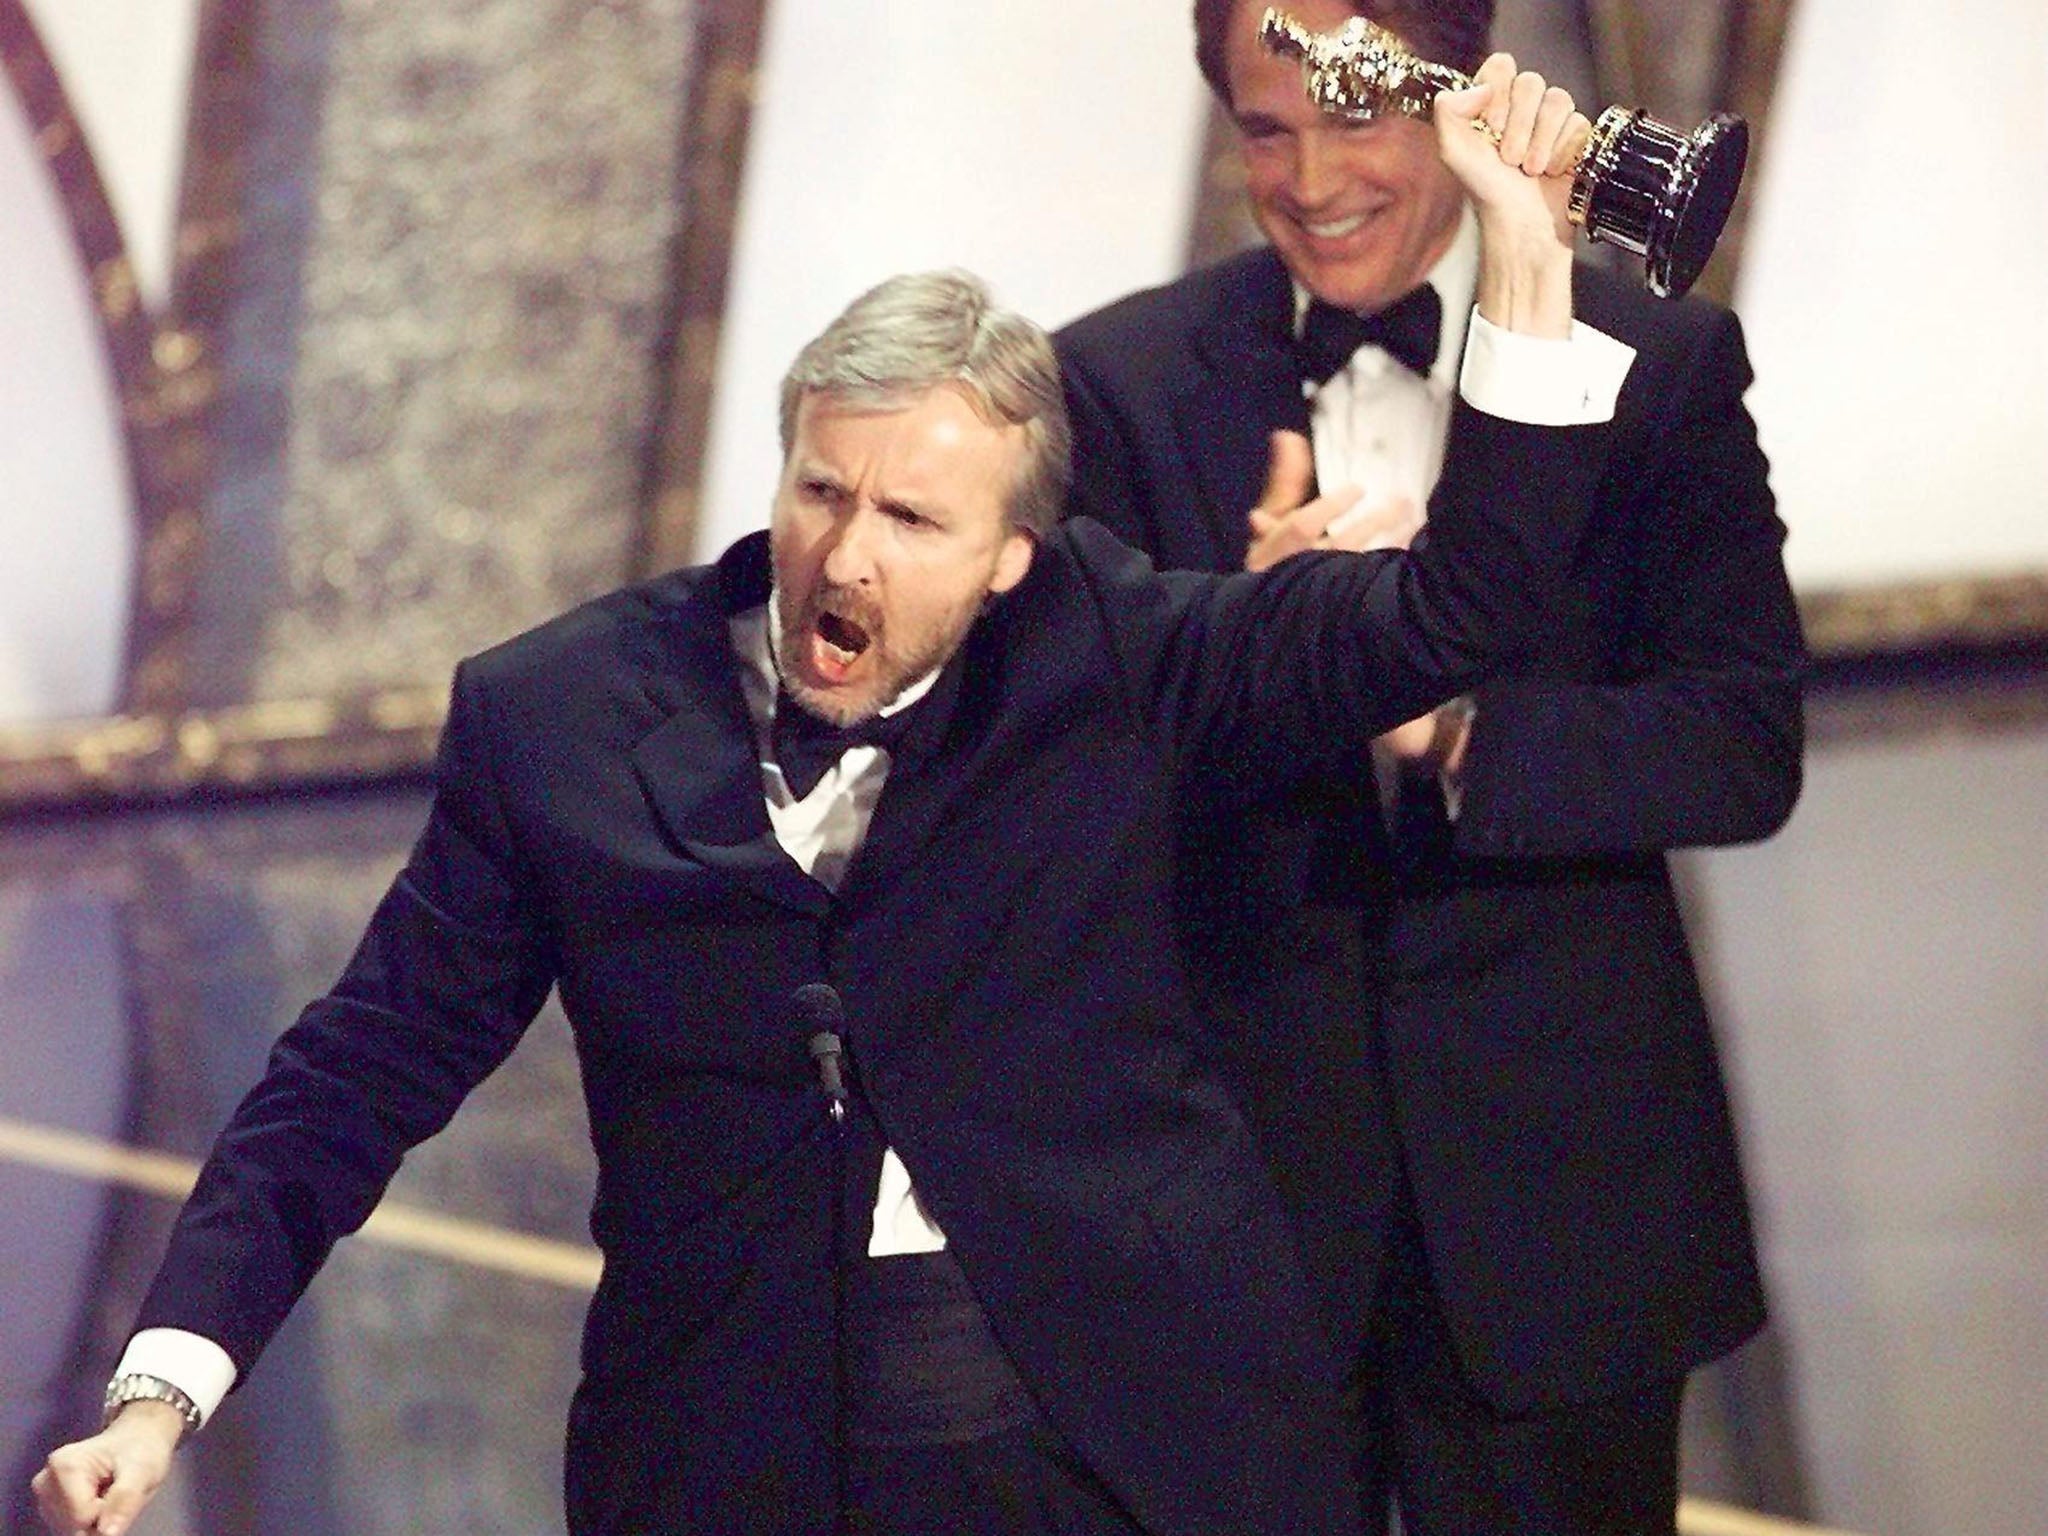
x,y
892,677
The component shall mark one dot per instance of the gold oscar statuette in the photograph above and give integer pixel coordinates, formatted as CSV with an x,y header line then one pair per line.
x,y
1640,184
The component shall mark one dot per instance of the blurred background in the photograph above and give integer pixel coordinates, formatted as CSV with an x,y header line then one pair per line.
x,y
340,338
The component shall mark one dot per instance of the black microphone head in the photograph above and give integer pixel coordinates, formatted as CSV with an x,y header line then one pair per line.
x,y
818,1008
820,1016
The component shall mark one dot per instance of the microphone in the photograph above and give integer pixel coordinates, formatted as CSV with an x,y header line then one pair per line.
x,y
822,1017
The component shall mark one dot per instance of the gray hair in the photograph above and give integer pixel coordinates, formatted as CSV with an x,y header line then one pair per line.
x,y
917,332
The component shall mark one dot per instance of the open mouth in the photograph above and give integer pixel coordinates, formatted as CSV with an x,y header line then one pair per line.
x,y
844,636
837,642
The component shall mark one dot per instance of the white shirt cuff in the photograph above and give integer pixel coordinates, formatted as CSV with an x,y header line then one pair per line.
x,y
196,1366
1541,381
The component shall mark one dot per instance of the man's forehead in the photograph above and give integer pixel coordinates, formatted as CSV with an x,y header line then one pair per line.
x,y
941,421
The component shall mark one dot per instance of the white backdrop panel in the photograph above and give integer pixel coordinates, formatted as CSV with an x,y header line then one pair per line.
x,y
66,505
1892,289
127,67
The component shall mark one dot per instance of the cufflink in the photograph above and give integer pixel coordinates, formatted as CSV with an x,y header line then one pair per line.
x,y
136,1388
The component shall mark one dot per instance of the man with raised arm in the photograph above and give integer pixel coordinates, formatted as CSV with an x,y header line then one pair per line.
x,y
850,857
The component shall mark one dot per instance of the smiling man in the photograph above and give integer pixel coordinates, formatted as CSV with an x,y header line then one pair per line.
x,y
1455,990
850,857
1358,212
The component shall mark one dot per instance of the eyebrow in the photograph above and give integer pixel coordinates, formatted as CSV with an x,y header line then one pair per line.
x,y
810,473
896,506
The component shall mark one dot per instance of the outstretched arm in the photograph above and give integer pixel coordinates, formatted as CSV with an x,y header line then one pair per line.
x,y
448,975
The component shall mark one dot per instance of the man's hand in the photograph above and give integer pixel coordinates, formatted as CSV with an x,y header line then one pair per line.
x,y
1434,743
1285,522
1518,174
100,1484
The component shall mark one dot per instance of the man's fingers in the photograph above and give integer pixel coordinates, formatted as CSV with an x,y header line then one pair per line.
x,y
1534,125
1554,111
125,1496
98,1485
1457,115
68,1488
1312,520
1290,473
1389,524
1525,107
1572,140
1276,536
1465,108
1497,74
1411,740
1285,521
52,1505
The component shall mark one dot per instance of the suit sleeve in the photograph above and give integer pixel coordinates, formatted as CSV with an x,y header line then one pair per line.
x,y
1696,735
1273,677
451,970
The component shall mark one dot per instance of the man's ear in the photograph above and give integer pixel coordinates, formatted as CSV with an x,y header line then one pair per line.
x,y
1013,561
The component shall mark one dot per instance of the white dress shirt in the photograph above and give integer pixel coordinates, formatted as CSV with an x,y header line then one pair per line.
x,y
822,832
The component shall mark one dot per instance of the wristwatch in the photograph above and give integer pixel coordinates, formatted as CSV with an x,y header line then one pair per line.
x,y
136,1388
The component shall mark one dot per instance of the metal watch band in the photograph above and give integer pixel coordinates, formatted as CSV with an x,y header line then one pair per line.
x,y
136,1388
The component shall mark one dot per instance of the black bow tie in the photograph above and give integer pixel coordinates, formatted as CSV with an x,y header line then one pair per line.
x,y
805,745
1407,330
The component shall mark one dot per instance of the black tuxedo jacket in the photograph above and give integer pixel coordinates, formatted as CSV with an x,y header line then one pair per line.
x,y
1527,1032
1017,1007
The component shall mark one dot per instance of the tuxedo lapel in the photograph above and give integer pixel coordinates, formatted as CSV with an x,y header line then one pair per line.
x,y
1244,387
905,818
700,767
705,784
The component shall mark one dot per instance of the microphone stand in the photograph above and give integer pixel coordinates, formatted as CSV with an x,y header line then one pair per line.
x,y
823,1017
840,1414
